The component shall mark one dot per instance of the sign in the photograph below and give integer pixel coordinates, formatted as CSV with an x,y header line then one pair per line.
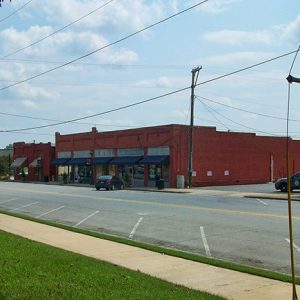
x,y
194,174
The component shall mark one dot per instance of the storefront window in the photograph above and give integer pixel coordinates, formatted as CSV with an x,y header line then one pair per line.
x,y
84,174
162,171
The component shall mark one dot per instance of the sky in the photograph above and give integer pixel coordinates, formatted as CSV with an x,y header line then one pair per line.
x,y
221,36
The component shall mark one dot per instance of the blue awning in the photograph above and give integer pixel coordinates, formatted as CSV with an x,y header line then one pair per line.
x,y
155,160
101,160
80,161
60,161
125,160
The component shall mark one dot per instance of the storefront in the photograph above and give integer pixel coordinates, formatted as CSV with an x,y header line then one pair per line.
x,y
32,162
143,155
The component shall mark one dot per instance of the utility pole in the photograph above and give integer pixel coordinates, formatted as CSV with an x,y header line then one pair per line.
x,y
290,80
195,74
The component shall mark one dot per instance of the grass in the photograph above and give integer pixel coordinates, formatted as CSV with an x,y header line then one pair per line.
x,y
168,251
31,270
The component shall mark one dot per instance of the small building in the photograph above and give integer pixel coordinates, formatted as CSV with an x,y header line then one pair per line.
x,y
32,162
144,154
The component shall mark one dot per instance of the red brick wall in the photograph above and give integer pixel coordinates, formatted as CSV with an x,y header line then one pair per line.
x,y
32,151
245,156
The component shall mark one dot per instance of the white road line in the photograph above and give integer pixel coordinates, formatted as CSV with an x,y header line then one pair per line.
x,y
12,199
94,213
295,246
263,202
205,241
135,227
48,212
24,206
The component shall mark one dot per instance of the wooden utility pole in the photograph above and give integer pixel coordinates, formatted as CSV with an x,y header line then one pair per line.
x,y
290,79
195,73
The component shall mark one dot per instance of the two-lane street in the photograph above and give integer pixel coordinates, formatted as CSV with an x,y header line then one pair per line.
x,y
242,230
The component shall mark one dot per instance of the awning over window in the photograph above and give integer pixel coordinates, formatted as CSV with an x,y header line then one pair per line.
x,y
155,160
125,160
101,160
80,161
36,163
18,162
60,161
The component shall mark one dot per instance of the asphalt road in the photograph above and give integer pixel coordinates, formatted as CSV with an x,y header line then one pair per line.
x,y
242,230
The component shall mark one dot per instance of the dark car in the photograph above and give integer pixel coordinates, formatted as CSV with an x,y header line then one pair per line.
x,y
281,183
109,182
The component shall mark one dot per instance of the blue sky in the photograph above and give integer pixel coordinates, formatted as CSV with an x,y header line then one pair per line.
x,y
221,36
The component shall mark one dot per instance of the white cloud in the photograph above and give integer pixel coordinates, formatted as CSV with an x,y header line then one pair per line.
x,y
238,57
291,31
233,37
118,15
161,82
30,104
217,6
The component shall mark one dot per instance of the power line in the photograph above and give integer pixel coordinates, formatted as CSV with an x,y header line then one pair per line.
x,y
14,12
104,65
251,128
56,120
57,31
101,113
214,116
106,46
151,99
247,111
246,68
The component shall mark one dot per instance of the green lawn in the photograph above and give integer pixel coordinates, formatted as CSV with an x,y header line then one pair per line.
x,y
30,270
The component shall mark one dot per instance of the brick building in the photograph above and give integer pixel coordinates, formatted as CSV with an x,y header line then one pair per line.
x,y
219,158
32,162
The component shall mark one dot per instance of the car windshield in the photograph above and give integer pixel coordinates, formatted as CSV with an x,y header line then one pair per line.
x,y
105,177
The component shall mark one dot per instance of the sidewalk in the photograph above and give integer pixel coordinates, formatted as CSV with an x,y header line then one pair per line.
x,y
223,282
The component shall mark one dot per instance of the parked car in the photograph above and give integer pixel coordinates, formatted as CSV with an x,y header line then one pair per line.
x,y
109,182
281,183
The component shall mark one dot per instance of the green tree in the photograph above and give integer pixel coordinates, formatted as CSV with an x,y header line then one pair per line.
x,y
9,147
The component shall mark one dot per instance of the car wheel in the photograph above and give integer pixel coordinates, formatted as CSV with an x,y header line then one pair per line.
x,y
107,189
97,188
283,188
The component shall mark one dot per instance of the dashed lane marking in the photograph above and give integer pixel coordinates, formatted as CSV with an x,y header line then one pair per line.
x,y
199,208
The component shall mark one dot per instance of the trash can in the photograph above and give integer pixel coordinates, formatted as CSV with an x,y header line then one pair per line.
x,y
160,184
180,182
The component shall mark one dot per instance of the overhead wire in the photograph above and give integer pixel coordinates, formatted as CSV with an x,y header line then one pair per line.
x,y
240,124
56,120
14,12
101,113
153,98
56,31
245,110
213,115
105,46
247,68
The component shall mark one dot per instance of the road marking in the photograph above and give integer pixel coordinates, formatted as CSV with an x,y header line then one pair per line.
x,y
135,227
142,214
94,213
263,202
23,206
205,242
12,199
198,208
48,212
294,245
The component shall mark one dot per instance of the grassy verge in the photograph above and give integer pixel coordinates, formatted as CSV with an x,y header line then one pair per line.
x,y
168,251
31,270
